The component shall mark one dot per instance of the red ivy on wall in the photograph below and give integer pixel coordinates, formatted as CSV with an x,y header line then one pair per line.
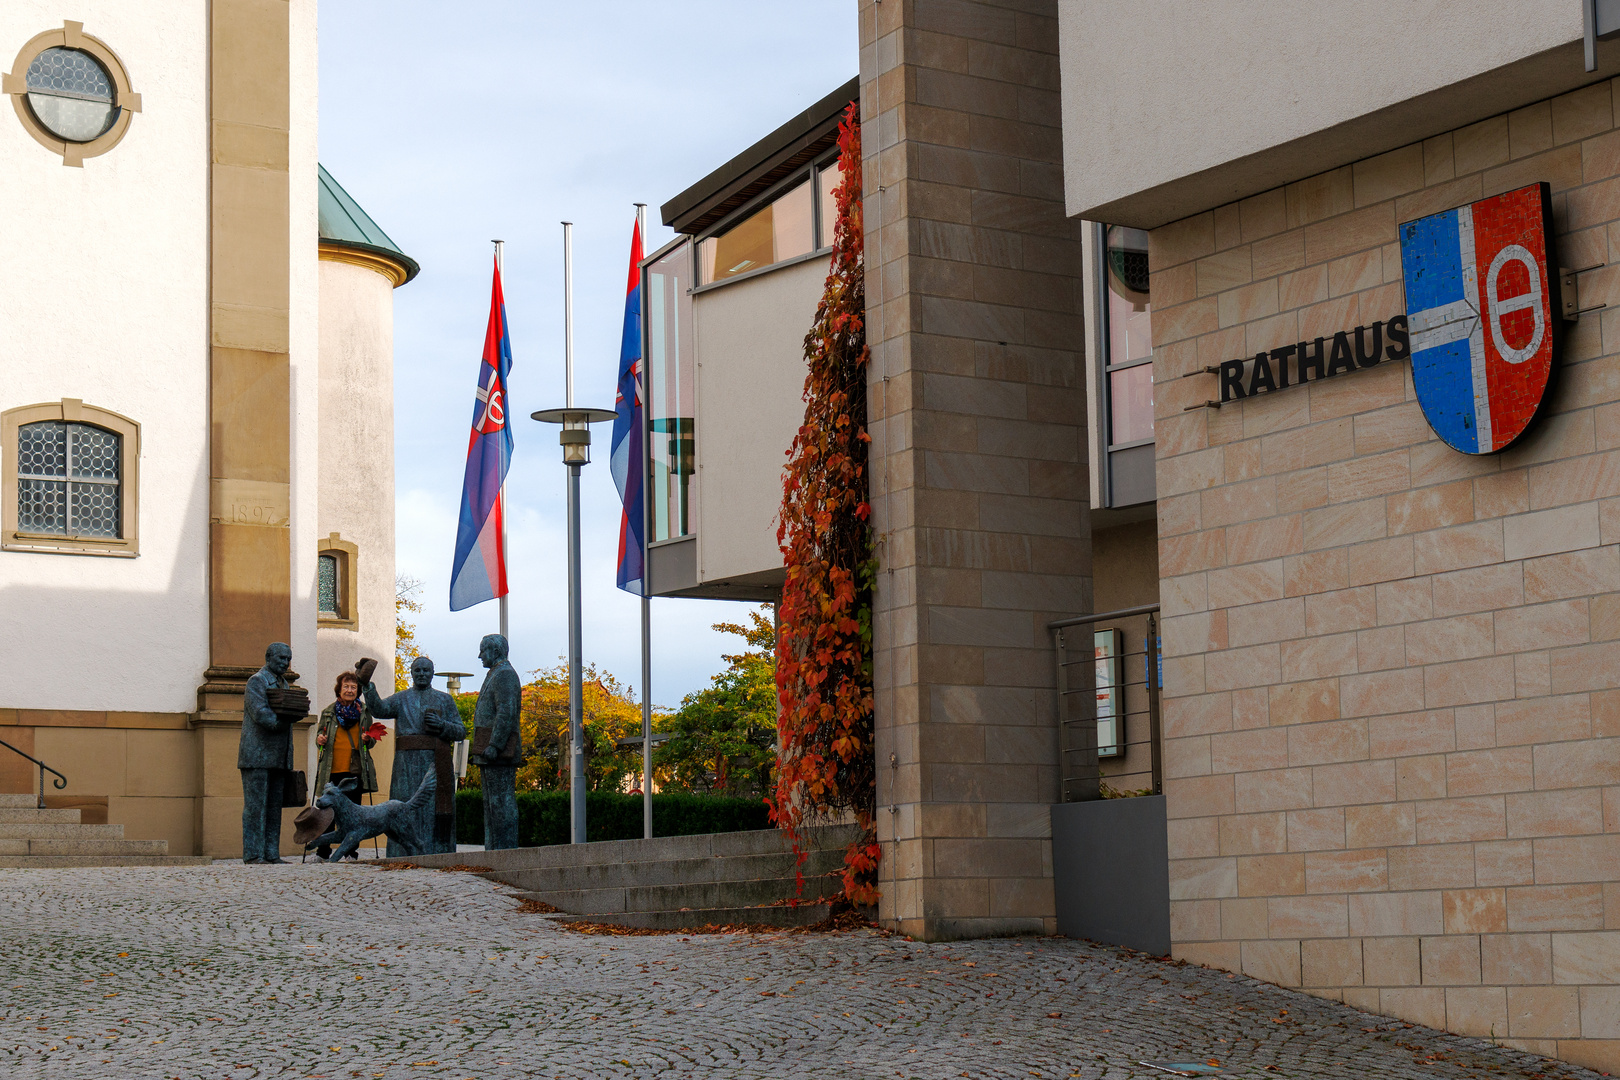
x,y
824,641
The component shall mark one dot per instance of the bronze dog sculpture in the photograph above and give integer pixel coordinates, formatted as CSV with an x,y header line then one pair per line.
x,y
353,822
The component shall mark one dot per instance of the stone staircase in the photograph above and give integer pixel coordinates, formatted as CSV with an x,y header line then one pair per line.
x,y
31,837
675,882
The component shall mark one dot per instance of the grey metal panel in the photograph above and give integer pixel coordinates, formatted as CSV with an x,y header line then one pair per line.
x,y
1130,476
672,566
1111,872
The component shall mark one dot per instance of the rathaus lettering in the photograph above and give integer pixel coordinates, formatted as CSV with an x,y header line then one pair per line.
x,y
1309,361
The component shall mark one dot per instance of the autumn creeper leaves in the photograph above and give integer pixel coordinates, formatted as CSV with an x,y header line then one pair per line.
x,y
824,642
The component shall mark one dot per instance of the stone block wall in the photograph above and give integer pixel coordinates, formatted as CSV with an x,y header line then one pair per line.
x,y
1392,671
979,485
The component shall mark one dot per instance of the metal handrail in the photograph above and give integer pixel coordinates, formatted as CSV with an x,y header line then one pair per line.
x,y
59,783
1089,763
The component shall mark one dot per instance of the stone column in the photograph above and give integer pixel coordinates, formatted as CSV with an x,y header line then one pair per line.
x,y
979,484
250,571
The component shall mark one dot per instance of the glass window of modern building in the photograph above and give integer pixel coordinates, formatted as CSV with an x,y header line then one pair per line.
x,y
667,287
794,222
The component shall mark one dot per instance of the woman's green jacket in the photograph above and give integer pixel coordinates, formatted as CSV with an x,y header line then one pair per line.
x,y
362,753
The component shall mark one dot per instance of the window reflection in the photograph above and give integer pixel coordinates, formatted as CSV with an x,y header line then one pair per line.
x,y
1130,336
671,396
828,177
779,230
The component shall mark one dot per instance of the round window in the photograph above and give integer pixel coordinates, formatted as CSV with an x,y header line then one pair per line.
x,y
71,95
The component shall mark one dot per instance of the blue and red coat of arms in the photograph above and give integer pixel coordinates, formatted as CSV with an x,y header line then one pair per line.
x,y
1484,322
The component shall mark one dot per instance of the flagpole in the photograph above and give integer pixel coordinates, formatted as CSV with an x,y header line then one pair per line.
x,y
646,539
500,271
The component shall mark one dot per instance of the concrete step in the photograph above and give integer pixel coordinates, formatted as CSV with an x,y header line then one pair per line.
x,y
84,847
670,871
658,849
15,802
61,832
783,915
714,894
45,862
19,816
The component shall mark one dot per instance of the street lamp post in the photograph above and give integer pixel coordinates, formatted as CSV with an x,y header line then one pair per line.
x,y
575,438
452,683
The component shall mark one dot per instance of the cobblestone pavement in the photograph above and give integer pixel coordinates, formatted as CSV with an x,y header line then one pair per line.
x,y
348,971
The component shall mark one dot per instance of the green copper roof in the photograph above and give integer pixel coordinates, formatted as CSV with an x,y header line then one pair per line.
x,y
343,222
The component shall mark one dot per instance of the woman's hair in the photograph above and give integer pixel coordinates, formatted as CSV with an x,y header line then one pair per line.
x,y
346,676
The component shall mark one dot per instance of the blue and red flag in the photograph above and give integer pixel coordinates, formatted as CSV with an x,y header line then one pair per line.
x,y
1481,309
628,459
479,571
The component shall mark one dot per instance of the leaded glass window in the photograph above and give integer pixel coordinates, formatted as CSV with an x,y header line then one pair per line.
x,y
69,480
326,587
71,94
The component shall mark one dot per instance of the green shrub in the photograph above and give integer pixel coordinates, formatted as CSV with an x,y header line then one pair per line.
x,y
543,816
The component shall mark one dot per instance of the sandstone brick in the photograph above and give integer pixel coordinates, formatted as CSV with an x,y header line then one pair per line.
x,y
1447,820
1480,1011
1277,789
1381,649
1315,830
1420,778
1380,560
1431,866
1585,667
1404,601
1273,538
1566,528
1578,573
1247,750
1476,726
1581,763
1198,796
1365,870
1380,692
1504,862
1317,572
1345,523
1250,834
1401,914
1332,962
1457,547
1450,961
1276,620
1317,657
1272,961
1408,734
1515,959
1271,875
1196,879
1243,918
1191,838
1306,916
1474,911
1489,772
1555,907
1465,682
1251,584
1340,610
1501,494
1257,665
1195,920
1543,1012
1544,719
1431,508
1555,813
1563,860
1586,958
1563,622
1353,783
1367,826
1327,741
1461,637
1391,961
1304,702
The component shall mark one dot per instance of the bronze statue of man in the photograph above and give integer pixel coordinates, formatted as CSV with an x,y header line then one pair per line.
x,y
497,747
426,728
264,757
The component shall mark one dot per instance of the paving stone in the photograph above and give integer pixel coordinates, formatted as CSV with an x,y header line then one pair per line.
x,y
337,971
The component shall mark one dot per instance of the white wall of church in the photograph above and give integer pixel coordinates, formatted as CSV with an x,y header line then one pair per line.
x,y
106,299
357,459
304,338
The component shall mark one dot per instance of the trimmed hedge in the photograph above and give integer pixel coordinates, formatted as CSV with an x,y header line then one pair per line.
x,y
543,816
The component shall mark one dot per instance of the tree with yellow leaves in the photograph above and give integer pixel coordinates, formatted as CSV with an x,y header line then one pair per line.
x,y
405,647
611,713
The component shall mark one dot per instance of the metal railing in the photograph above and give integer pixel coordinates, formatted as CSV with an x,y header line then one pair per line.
x,y
1114,685
59,783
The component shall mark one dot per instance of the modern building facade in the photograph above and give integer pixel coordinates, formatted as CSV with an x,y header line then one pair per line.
x,y
186,470
1387,760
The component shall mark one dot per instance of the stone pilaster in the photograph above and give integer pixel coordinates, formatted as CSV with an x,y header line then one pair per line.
x,y
978,475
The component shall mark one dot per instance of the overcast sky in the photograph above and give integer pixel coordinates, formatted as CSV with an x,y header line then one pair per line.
x,y
455,124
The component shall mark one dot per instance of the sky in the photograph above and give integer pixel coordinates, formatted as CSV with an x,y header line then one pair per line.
x,y
457,124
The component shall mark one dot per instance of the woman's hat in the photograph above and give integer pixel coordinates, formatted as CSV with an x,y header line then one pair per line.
x,y
311,823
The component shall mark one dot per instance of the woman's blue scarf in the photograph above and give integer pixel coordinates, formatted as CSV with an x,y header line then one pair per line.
x,y
348,713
